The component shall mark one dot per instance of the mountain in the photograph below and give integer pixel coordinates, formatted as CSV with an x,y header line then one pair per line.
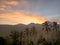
x,y
6,29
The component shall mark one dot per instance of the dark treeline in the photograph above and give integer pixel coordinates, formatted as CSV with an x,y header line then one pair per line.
x,y
30,36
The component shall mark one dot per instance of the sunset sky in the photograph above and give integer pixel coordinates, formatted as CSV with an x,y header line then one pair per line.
x,y
29,11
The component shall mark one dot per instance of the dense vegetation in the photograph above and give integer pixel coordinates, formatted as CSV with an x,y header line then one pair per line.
x,y
30,36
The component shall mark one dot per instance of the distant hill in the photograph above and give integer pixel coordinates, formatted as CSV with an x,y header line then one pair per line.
x,y
6,29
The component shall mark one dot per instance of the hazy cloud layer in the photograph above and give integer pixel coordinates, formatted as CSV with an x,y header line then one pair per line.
x,y
49,9
19,17
4,4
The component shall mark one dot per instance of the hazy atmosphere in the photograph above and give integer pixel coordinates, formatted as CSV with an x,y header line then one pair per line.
x,y
29,22
29,11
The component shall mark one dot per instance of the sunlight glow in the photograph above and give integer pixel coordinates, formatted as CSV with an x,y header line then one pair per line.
x,y
18,17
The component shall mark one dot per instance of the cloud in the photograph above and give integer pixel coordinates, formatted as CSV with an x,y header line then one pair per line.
x,y
24,18
3,7
8,4
14,3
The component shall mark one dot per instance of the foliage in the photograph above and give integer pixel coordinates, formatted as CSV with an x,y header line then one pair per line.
x,y
29,36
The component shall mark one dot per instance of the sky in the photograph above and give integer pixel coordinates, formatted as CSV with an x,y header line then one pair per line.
x,y
29,11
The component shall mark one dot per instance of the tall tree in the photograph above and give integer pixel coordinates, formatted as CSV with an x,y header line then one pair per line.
x,y
28,36
55,26
14,35
46,26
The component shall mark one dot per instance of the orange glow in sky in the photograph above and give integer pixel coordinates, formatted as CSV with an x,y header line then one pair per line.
x,y
19,17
